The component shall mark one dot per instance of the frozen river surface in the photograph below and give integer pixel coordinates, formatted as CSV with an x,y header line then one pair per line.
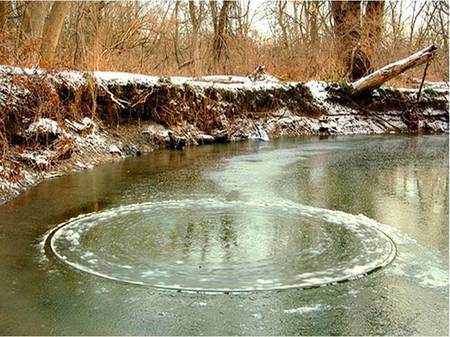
x,y
345,235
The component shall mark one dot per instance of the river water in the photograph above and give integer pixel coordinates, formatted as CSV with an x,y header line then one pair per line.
x,y
342,235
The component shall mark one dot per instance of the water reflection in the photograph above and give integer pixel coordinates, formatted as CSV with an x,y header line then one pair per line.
x,y
395,182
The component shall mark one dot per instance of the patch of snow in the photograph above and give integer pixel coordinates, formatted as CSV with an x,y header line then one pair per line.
x,y
260,134
157,130
36,158
74,79
86,124
125,78
320,94
431,84
318,90
230,83
44,125
205,139
413,91
80,165
52,175
221,78
96,139
440,126
114,149
21,71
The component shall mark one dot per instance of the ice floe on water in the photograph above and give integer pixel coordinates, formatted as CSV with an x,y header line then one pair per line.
x,y
239,254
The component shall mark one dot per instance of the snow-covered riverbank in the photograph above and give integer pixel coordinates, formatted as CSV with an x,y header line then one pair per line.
x,y
58,122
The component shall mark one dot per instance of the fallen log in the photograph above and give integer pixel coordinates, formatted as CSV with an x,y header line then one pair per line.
x,y
382,75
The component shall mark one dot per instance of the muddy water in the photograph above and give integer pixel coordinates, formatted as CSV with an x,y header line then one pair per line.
x,y
83,254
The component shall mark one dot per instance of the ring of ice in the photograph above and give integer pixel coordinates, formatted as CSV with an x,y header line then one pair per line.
x,y
218,246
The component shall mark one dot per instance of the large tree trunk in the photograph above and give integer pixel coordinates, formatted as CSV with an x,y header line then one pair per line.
x,y
219,36
373,28
94,31
196,20
34,18
347,30
52,31
77,18
214,15
281,13
382,75
176,47
313,27
4,12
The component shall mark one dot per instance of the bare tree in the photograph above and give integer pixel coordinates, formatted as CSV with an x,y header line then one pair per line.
x,y
176,48
34,18
416,11
220,24
347,28
373,29
196,16
4,12
305,39
313,12
357,39
52,30
280,16
440,22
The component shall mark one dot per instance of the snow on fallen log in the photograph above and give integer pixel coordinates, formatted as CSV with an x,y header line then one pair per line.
x,y
382,75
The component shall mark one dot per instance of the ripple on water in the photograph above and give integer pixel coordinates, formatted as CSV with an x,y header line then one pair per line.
x,y
214,245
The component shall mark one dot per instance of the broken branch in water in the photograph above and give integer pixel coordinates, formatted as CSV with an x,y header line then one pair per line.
x,y
382,75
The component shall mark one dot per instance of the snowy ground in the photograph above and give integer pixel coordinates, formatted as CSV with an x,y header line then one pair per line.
x,y
82,144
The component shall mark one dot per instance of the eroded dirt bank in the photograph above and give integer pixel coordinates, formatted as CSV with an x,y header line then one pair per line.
x,y
53,123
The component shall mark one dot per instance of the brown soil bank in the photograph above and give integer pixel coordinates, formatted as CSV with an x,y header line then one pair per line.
x,y
52,123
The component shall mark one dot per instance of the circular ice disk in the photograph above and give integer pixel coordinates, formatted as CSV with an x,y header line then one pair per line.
x,y
218,246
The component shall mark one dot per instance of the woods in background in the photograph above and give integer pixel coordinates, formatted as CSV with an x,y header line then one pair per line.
x,y
299,40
